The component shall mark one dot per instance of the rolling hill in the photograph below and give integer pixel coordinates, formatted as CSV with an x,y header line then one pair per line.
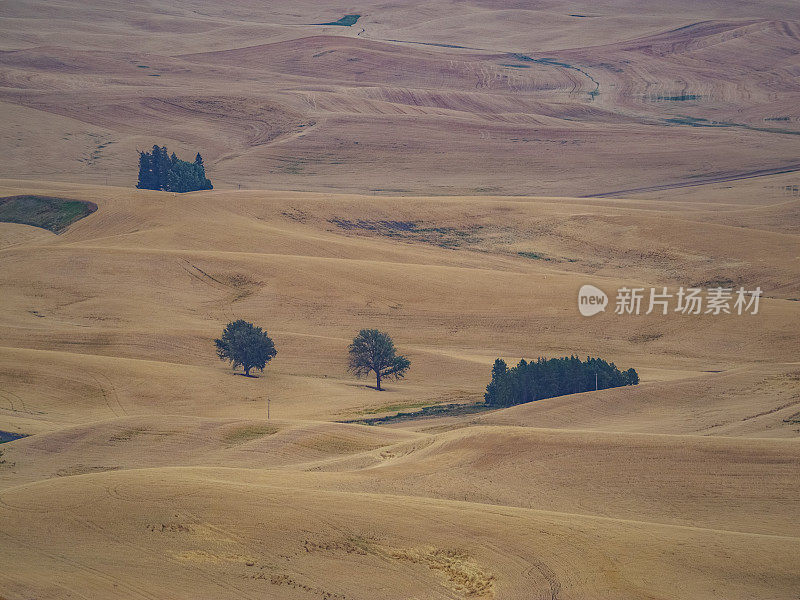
x,y
448,172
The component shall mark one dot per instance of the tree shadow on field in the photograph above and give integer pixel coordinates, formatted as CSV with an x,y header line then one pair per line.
x,y
366,385
373,387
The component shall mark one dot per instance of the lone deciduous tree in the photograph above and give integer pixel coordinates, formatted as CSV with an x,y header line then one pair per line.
x,y
373,351
245,345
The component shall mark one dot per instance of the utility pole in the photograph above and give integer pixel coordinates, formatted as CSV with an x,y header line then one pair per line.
x,y
268,402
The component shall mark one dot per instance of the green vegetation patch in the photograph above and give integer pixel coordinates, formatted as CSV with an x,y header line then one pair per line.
x,y
445,237
717,282
128,434
345,21
53,214
10,436
793,420
437,410
392,408
697,122
533,255
248,433
677,98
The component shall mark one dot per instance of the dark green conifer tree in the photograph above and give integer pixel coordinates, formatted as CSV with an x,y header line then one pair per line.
x,y
159,170
546,378
164,167
146,179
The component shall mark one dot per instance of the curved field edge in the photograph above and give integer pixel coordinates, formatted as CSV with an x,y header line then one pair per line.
x,y
45,212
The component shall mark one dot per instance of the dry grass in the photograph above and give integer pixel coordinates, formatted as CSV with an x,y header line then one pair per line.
x,y
462,574
655,97
442,203
496,504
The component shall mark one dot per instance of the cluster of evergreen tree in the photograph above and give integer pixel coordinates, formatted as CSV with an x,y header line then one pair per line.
x,y
546,378
158,170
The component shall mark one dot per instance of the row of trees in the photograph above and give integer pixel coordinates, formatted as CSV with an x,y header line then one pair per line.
x,y
546,378
158,170
244,345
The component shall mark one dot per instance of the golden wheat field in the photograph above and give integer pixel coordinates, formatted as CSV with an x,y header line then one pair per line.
x,y
452,173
